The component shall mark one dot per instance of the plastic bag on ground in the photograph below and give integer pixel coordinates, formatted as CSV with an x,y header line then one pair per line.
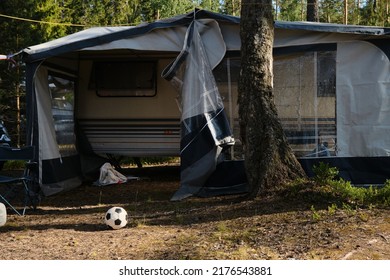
x,y
109,176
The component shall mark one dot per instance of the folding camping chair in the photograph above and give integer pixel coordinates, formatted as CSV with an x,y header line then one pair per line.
x,y
26,180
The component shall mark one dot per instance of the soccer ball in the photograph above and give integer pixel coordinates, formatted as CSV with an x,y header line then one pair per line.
x,y
116,218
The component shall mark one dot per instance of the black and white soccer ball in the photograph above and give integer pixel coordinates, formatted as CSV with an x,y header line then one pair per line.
x,y
116,218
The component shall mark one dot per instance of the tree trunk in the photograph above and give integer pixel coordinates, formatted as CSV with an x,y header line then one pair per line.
x,y
312,11
269,159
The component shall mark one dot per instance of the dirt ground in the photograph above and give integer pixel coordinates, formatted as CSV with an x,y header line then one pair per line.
x,y
303,226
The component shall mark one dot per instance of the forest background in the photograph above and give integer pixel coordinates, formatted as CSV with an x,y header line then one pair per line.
x,y
29,22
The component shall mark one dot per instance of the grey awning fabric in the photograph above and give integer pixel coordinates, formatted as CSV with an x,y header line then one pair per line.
x,y
204,126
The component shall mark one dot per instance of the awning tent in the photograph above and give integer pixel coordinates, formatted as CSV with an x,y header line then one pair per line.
x,y
353,112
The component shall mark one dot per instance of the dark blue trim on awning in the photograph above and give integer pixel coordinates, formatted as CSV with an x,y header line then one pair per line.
x,y
61,169
357,170
332,28
228,178
197,139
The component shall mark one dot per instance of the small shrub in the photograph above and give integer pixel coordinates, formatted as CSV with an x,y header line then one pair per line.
x,y
382,195
352,194
348,209
364,217
325,178
332,209
315,214
324,174
361,195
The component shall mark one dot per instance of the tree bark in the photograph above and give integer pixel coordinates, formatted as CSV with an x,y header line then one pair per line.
x,y
312,11
269,159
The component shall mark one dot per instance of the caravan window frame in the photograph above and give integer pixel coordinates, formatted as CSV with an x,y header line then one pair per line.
x,y
139,86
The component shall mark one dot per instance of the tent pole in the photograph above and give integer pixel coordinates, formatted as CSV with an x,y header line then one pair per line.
x,y
231,117
315,102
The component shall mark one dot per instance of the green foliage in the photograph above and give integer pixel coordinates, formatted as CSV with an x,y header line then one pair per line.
x,y
365,196
15,35
231,7
211,5
148,160
53,12
349,194
332,209
345,190
374,13
291,10
331,11
324,174
315,214
370,12
339,194
152,10
348,209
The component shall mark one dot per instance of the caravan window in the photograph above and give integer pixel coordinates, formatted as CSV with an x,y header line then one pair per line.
x,y
123,78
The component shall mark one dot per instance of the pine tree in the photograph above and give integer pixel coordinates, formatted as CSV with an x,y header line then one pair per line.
x,y
312,11
269,160
15,35
292,10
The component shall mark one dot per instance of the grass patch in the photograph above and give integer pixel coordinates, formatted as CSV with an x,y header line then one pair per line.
x,y
326,194
148,161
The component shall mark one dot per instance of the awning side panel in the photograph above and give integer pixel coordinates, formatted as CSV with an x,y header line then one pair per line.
x,y
363,100
56,172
